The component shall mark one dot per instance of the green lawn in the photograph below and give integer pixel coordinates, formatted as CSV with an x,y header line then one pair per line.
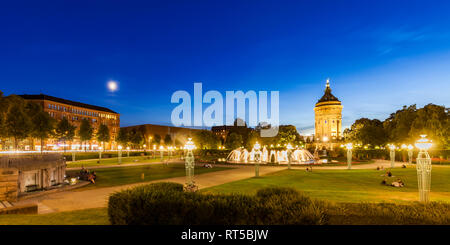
x,y
114,161
347,186
132,174
95,216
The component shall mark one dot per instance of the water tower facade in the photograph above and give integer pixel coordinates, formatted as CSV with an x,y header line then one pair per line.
x,y
328,119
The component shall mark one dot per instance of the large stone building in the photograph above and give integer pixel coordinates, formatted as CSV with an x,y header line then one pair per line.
x,y
75,112
328,119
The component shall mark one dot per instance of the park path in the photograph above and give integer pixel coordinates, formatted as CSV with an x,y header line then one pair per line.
x,y
97,198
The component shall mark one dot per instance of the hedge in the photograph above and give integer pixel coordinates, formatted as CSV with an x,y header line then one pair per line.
x,y
167,204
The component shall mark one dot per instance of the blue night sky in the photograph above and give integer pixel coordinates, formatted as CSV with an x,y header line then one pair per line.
x,y
379,55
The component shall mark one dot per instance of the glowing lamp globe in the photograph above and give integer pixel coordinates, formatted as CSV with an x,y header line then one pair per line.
x,y
154,147
404,146
392,147
424,144
161,147
349,146
128,148
325,139
410,147
289,147
189,145
256,146
119,147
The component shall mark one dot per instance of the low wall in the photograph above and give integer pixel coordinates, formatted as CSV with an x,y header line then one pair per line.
x,y
9,178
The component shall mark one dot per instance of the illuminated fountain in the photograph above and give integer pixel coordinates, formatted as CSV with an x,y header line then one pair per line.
x,y
241,155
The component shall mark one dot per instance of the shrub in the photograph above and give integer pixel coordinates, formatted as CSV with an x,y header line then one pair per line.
x,y
167,204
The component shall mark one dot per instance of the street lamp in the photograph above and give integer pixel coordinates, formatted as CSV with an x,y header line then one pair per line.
x,y
256,148
189,164
120,154
145,147
154,151
289,154
128,151
392,148
349,147
410,154
161,151
423,166
100,153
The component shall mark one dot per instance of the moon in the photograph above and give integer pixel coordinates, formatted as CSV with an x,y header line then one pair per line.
x,y
113,86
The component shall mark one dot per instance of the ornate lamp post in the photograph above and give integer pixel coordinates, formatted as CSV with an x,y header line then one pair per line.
x,y
169,151
410,154
154,151
100,153
161,151
128,151
257,147
423,167
120,154
189,164
392,148
145,148
73,154
349,147
289,154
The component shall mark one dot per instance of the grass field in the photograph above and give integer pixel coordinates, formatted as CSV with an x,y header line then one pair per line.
x,y
114,161
95,216
132,174
347,186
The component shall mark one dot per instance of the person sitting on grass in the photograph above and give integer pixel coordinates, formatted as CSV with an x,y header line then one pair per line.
x,y
388,174
384,182
91,178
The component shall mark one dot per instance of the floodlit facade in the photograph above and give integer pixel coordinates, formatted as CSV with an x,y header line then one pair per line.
x,y
328,118
75,112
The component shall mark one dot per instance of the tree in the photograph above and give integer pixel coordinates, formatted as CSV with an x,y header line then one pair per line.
x,y
65,131
86,131
167,140
432,120
233,141
367,132
103,134
17,124
123,136
206,139
43,127
157,139
136,137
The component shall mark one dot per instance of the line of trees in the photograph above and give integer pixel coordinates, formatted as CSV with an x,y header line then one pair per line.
x,y
404,127
21,119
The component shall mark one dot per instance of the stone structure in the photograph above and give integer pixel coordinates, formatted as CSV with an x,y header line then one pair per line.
x,y
25,173
328,117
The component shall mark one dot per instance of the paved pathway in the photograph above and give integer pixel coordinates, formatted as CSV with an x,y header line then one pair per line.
x,y
95,198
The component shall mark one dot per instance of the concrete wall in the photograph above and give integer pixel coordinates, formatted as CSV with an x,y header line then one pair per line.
x,y
23,171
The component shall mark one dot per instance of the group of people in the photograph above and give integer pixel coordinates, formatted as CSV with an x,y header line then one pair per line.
x,y
87,175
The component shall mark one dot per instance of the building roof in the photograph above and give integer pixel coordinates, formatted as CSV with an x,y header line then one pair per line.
x,y
328,96
63,101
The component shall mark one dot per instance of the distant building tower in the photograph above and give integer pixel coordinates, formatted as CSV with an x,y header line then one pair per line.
x,y
328,115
